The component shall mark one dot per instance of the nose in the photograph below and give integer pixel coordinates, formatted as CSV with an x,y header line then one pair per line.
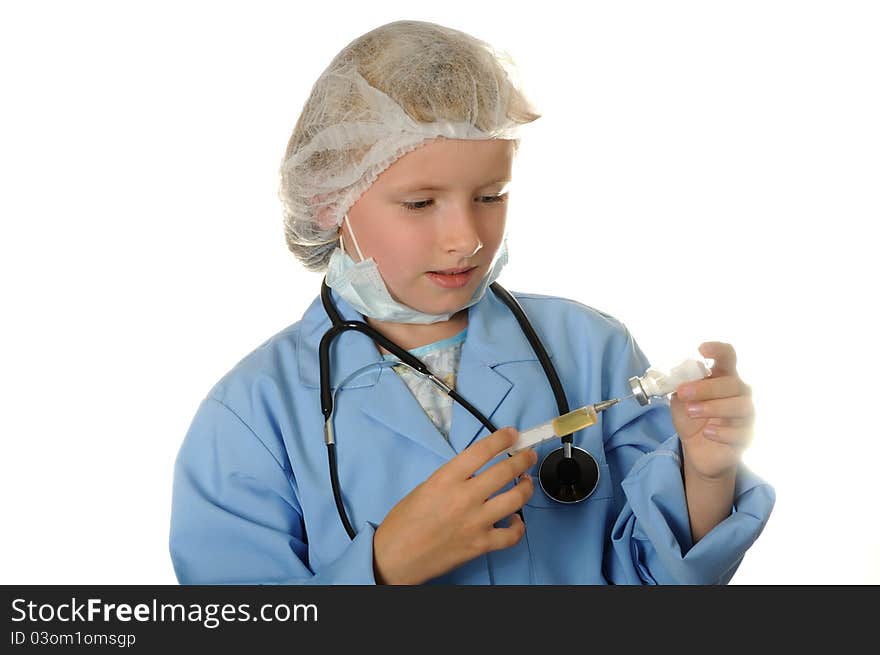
x,y
459,233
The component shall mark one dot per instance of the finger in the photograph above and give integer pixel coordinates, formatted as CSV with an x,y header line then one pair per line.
x,y
726,386
496,476
739,438
738,407
738,422
475,456
724,356
497,507
499,538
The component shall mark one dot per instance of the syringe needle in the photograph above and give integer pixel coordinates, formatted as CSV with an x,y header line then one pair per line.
x,y
605,404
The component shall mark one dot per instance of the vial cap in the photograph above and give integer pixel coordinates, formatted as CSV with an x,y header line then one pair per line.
x,y
635,386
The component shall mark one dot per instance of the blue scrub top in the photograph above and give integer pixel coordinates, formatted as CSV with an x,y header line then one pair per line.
x,y
252,501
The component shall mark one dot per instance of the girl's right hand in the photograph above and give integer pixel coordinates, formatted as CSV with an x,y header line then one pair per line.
x,y
449,518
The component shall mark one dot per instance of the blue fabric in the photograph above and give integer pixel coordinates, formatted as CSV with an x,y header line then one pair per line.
x,y
252,502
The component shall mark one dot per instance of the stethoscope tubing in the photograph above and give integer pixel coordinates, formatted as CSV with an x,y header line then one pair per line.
x,y
339,326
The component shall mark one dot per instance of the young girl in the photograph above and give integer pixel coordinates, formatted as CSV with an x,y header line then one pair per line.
x,y
362,471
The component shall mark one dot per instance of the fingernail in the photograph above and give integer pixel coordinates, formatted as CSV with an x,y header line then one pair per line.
x,y
694,410
688,393
710,432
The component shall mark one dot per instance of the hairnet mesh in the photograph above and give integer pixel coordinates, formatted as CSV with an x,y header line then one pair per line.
x,y
385,94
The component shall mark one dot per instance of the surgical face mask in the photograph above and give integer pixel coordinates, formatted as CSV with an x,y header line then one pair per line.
x,y
362,286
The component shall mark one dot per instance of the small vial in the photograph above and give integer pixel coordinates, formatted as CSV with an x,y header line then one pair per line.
x,y
654,383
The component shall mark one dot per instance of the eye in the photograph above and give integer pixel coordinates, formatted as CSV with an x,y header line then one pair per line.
x,y
495,199
415,206
424,204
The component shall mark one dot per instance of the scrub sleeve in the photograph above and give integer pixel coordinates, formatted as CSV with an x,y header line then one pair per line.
x,y
651,539
231,486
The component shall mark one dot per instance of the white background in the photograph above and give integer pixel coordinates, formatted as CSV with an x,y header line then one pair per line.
x,y
702,171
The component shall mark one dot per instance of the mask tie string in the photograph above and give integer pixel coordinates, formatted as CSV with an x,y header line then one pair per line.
x,y
353,238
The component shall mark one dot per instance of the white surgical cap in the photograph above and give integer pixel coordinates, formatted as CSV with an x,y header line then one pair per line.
x,y
385,94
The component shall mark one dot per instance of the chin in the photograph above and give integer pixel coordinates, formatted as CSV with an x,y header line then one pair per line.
x,y
453,303
444,308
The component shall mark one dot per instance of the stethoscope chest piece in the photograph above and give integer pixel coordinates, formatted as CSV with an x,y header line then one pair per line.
x,y
569,479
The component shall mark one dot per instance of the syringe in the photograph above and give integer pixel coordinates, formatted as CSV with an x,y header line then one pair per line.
x,y
560,426
653,384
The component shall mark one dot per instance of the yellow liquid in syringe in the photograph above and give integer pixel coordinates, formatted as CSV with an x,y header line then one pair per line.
x,y
575,420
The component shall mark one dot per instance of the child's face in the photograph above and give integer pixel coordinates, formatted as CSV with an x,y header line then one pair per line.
x,y
458,224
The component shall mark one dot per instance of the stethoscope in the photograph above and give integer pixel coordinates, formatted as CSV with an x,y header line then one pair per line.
x,y
568,474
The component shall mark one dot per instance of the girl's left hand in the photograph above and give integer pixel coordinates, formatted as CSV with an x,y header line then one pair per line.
x,y
723,404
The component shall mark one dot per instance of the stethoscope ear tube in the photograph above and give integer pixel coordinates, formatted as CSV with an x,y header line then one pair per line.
x,y
538,347
337,494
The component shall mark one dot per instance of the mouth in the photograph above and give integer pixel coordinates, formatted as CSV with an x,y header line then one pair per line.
x,y
454,271
452,278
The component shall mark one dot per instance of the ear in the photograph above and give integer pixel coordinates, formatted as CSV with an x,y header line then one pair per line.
x,y
324,215
326,220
